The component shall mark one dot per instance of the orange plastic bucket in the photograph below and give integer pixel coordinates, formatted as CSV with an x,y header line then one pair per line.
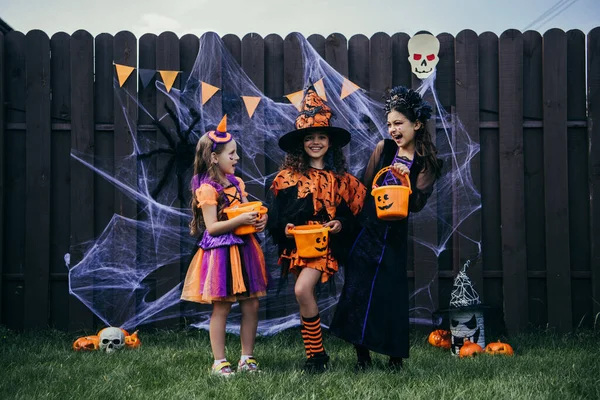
x,y
238,209
391,202
311,240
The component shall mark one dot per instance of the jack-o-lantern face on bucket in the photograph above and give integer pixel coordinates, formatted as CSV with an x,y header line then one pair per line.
x,y
382,202
321,244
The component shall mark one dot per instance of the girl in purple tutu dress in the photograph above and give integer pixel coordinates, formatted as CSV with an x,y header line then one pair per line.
x,y
227,267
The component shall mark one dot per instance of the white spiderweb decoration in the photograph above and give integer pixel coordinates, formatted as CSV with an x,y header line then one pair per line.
x,y
463,293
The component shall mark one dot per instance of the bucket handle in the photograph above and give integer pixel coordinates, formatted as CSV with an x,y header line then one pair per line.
x,y
317,228
386,169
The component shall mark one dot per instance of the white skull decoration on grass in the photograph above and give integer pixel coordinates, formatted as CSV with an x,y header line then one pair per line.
x,y
423,51
111,339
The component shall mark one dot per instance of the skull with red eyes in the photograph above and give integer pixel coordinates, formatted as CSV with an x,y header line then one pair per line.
x,y
382,202
423,51
321,244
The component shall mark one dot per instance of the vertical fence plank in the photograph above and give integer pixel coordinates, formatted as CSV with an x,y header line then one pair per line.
x,y
445,88
491,240
125,110
189,46
336,53
380,68
60,204
167,58
2,155
104,149
425,261
556,180
14,256
467,109
512,181
125,117
82,140
253,64
37,181
104,111
358,60
401,74
593,91
533,153
579,195
231,102
147,117
274,89
293,69
318,43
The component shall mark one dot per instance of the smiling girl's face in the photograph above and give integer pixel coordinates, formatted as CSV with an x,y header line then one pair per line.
x,y
401,129
316,145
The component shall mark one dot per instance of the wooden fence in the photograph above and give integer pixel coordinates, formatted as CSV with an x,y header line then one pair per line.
x,y
523,96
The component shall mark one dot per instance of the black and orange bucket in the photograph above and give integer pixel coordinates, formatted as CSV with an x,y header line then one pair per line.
x,y
238,209
391,201
312,241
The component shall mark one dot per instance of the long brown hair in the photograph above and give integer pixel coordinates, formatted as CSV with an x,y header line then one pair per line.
x,y
205,169
410,104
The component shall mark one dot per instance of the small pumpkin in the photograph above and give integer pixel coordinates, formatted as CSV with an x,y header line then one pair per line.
x,y
86,343
469,349
132,341
499,348
440,338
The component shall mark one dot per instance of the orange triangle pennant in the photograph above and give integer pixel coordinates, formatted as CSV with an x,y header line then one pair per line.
x,y
296,99
348,88
208,91
320,88
168,78
123,72
251,103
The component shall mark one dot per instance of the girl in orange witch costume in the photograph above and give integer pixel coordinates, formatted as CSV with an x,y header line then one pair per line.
x,y
226,268
313,187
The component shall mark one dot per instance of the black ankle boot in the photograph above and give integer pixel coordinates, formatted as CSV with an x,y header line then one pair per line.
x,y
395,363
363,364
317,364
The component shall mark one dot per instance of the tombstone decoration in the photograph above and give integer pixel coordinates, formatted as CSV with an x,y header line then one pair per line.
x,y
466,313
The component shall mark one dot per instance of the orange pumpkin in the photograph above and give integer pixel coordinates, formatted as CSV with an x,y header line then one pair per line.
x,y
499,348
440,338
132,341
86,343
469,349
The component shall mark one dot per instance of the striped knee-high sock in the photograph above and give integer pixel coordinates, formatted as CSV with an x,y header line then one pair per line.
x,y
312,335
305,339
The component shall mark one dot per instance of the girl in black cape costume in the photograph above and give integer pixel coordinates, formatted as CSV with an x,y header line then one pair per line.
x,y
372,312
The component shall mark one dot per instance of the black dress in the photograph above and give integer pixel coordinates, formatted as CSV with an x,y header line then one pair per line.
x,y
373,306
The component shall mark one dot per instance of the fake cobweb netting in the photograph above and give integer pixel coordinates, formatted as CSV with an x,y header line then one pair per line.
x,y
121,276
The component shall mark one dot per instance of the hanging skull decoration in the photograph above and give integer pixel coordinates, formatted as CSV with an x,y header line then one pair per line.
x,y
466,313
111,339
423,51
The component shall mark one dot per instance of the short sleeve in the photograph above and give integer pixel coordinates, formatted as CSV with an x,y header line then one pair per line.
x,y
206,194
242,186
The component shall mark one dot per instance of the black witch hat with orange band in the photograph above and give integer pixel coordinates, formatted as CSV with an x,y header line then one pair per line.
x,y
314,117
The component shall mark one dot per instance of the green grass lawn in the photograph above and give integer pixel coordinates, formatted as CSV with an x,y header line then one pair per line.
x,y
175,365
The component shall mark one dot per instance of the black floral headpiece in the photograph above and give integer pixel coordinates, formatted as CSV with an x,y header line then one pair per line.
x,y
401,98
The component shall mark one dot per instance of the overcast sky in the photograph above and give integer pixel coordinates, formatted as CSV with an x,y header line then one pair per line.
x,y
324,17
